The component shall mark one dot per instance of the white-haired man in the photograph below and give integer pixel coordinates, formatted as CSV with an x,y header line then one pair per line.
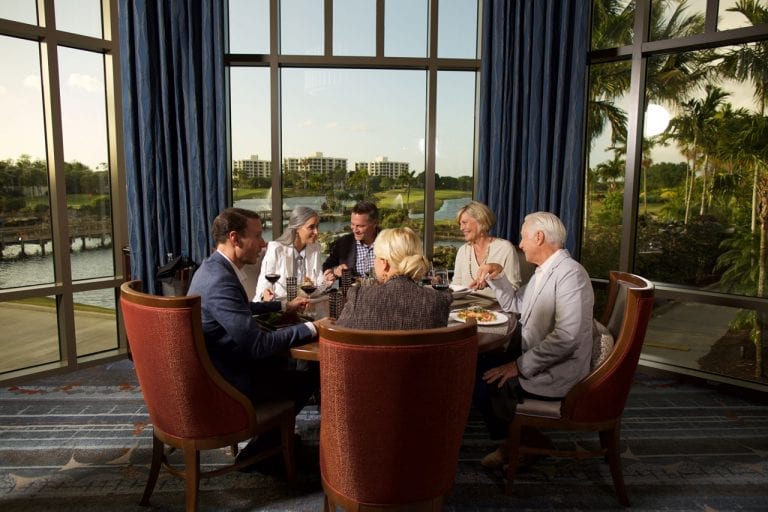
x,y
556,311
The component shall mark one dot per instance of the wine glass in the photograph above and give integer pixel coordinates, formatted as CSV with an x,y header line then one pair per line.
x,y
272,278
440,281
309,284
426,279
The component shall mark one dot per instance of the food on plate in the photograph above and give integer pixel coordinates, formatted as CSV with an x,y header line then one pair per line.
x,y
478,313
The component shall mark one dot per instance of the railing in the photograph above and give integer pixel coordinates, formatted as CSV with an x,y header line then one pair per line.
x,y
40,234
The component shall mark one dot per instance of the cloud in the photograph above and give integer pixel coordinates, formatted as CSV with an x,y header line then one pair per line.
x,y
361,127
332,124
32,82
85,82
3,90
306,124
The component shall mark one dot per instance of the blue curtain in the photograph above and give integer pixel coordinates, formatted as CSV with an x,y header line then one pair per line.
x,y
174,122
532,101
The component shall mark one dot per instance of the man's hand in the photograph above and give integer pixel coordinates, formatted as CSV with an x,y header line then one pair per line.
x,y
267,295
501,373
298,305
337,270
329,276
485,272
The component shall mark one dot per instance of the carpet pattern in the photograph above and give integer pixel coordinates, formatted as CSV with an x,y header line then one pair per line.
x,y
82,442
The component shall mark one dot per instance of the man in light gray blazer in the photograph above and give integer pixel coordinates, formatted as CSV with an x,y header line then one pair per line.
x,y
556,311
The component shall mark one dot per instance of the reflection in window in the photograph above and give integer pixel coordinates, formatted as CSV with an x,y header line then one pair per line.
x,y
454,162
35,339
405,28
250,139
738,14
85,152
711,338
354,27
80,17
612,23
604,187
457,31
248,24
95,321
301,27
25,219
697,226
671,19
341,143
24,11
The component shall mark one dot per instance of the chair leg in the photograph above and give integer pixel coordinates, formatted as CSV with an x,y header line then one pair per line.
x,y
327,504
154,470
609,439
289,459
191,476
513,442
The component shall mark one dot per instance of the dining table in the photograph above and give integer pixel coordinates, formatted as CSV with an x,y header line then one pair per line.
x,y
489,337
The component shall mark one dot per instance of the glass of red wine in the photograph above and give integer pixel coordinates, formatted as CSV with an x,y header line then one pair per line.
x,y
440,281
309,285
272,278
426,279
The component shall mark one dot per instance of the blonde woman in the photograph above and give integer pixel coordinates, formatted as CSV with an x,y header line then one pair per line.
x,y
397,301
475,221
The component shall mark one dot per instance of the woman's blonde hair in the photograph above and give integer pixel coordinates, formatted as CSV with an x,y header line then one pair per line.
x,y
481,213
401,247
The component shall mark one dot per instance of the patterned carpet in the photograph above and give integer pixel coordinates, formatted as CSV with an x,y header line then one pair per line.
x,y
82,442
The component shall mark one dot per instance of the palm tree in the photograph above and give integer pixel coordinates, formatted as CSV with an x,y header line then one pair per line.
x,y
406,179
695,134
749,62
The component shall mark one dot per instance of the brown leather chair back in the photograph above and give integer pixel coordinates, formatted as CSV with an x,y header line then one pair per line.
x,y
394,407
603,394
185,396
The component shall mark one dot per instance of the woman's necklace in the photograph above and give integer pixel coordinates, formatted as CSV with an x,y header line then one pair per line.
x,y
479,263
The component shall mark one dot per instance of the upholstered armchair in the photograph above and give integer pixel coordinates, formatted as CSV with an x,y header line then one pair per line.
x,y
597,402
394,408
190,405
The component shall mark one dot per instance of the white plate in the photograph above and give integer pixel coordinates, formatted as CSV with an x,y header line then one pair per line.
x,y
500,318
459,291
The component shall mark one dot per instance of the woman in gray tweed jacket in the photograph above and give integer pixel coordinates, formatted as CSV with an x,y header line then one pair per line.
x,y
396,301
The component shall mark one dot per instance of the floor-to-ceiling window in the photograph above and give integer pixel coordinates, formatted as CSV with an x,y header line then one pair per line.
x,y
677,175
59,187
334,101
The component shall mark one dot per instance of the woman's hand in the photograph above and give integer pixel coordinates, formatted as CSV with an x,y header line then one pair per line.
x,y
501,373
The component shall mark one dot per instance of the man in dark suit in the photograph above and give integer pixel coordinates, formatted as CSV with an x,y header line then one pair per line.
x,y
355,250
249,357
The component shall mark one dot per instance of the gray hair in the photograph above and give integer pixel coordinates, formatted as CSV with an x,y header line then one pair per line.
x,y
547,223
299,216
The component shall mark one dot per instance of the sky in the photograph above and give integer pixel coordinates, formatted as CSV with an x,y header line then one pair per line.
x,y
360,115
82,90
354,114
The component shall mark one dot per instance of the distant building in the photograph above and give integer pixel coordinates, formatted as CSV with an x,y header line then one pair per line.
x,y
383,167
252,168
316,164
